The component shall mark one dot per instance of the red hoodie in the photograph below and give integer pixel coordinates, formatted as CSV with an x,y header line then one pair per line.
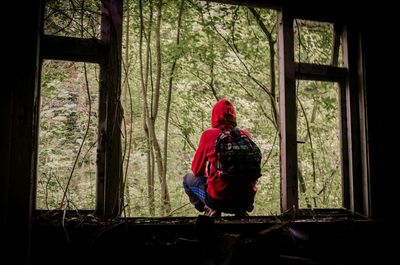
x,y
223,115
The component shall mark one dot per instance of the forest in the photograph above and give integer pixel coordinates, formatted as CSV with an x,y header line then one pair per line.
x,y
178,58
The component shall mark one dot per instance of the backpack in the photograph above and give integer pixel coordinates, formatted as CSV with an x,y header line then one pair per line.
x,y
237,157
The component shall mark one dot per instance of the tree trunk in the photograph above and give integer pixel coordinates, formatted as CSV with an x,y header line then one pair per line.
x,y
169,97
127,91
271,45
165,201
144,66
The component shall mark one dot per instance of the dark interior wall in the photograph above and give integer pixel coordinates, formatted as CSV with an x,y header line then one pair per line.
x,y
381,79
17,115
19,86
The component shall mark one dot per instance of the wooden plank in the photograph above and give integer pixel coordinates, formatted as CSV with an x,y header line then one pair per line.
x,y
366,182
344,146
72,49
350,54
287,110
306,9
109,164
272,4
307,71
337,35
335,14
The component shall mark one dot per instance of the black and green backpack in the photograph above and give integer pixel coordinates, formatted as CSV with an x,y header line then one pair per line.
x,y
237,157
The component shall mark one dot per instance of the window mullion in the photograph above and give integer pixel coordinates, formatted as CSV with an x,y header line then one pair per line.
x,y
287,110
109,180
357,176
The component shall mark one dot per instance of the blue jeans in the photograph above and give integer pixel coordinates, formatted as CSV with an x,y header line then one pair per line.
x,y
195,187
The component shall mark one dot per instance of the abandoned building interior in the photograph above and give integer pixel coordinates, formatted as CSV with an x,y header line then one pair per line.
x,y
357,233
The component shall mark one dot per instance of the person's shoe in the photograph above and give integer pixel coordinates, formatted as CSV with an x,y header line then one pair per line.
x,y
211,212
199,207
241,214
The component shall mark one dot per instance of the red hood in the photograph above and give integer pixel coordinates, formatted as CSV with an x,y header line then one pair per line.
x,y
223,113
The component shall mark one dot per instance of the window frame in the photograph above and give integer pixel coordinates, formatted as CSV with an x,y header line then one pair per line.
x,y
354,162
106,52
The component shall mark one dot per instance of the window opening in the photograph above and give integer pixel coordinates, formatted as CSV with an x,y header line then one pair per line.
x,y
317,42
173,70
318,138
72,18
66,170
223,51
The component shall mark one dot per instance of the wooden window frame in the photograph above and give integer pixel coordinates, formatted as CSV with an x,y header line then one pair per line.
x,y
354,156
106,52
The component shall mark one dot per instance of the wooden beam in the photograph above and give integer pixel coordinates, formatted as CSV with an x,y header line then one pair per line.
x,y
353,97
72,49
337,35
365,151
109,162
287,111
344,144
316,12
307,9
272,4
307,71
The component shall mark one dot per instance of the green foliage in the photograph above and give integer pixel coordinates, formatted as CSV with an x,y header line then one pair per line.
x,y
73,18
318,130
63,121
313,41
